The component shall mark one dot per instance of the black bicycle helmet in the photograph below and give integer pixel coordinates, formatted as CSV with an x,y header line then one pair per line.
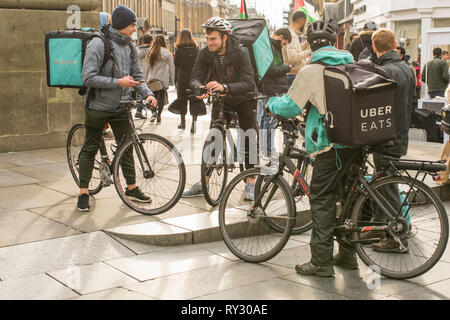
x,y
446,119
321,31
218,24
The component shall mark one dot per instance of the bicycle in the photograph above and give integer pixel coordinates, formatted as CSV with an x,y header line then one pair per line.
x,y
155,162
216,162
291,130
416,219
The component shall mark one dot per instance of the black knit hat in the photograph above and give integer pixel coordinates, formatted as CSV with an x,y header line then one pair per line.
x,y
122,17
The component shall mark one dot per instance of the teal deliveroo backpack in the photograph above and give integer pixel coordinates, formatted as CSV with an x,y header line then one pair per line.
x,y
253,35
64,54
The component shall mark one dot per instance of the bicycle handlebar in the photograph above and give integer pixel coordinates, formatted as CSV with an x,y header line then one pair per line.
x,y
215,94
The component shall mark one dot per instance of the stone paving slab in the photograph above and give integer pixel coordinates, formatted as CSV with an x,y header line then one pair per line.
x,y
35,287
104,214
273,289
24,158
345,283
56,254
200,282
46,172
435,291
24,226
113,294
166,262
6,165
11,178
154,233
30,196
91,278
137,247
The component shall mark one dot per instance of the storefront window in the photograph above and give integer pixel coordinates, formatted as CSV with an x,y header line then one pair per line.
x,y
409,35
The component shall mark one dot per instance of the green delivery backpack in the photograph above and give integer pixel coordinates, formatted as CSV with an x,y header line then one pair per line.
x,y
64,53
254,36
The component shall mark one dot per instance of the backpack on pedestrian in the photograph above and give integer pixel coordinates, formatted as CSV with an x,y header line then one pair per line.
x,y
64,55
361,104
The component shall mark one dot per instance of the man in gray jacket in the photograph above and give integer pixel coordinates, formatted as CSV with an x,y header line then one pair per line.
x,y
107,86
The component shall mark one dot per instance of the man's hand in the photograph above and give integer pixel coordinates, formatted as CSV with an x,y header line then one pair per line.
x,y
214,86
203,96
128,82
152,100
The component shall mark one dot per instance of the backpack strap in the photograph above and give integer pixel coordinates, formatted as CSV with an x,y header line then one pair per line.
x,y
105,35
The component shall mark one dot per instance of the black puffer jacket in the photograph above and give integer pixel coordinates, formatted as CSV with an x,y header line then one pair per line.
x,y
275,80
402,74
237,72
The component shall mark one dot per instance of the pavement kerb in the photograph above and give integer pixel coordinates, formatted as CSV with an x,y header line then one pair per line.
x,y
195,228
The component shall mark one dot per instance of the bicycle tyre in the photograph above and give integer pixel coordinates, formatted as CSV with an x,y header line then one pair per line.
x,y
165,187
213,191
303,220
421,197
237,225
75,141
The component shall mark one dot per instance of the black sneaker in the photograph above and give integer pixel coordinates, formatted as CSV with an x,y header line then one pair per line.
x,y
137,195
83,203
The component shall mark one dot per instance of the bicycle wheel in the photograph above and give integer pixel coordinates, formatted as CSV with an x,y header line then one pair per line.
x,y
164,183
214,168
303,219
245,225
75,141
425,227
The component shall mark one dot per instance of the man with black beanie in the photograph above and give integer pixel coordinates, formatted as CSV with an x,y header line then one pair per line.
x,y
107,86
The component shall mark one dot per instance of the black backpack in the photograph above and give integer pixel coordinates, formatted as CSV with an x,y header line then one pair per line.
x,y
361,104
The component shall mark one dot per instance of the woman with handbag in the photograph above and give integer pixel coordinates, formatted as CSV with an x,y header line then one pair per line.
x,y
161,73
185,56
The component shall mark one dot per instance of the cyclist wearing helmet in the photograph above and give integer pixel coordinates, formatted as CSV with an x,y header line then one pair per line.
x,y
225,67
331,160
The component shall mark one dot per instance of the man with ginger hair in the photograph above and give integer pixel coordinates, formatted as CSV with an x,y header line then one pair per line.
x,y
384,46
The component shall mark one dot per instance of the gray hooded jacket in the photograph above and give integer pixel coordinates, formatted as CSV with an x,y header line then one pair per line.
x,y
125,61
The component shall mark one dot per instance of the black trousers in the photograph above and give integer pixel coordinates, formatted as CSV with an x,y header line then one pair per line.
x,y
95,122
160,96
246,113
330,171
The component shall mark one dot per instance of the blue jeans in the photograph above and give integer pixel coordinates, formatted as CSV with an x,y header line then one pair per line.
x,y
266,128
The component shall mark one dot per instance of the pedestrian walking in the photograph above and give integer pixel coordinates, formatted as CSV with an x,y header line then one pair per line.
x,y
436,74
161,73
185,55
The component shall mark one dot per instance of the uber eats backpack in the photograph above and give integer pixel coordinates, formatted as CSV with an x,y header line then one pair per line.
x,y
361,104
254,36
64,54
